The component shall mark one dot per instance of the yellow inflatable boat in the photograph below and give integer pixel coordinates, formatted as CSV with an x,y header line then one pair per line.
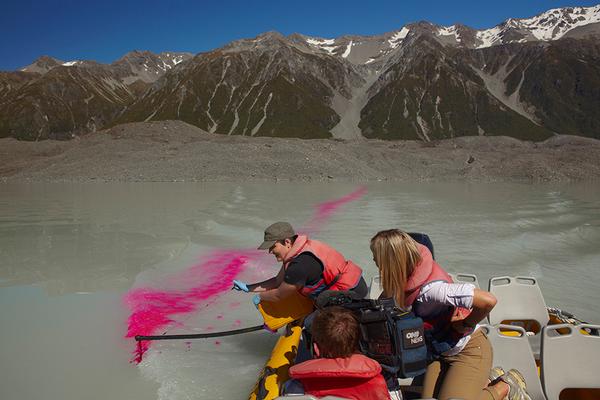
x,y
289,314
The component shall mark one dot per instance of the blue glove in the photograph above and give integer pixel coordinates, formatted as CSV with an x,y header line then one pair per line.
x,y
239,285
256,300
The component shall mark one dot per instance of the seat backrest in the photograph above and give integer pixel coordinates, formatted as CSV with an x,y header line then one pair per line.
x,y
466,278
375,288
570,358
424,240
511,350
519,298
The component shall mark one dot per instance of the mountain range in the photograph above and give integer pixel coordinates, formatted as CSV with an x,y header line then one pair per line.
x,y
526,78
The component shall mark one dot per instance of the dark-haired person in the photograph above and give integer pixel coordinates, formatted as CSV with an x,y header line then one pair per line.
x,y
308,266
451,312
339,369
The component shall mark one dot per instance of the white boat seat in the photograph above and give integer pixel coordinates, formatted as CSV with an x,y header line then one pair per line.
x,y
520,303
375,288
519,298
514,352
466,278
570,359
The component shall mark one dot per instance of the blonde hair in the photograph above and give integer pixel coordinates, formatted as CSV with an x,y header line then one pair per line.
x,y
396,255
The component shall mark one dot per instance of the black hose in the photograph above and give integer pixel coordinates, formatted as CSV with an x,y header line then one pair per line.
x,y
140,338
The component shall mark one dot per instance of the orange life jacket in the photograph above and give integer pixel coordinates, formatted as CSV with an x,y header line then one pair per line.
x,y
355,377
338,273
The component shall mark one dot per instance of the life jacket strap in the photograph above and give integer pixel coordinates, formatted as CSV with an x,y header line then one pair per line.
x,y
333,282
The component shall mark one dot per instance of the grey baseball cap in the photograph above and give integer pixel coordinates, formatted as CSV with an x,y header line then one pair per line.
x,y
277,231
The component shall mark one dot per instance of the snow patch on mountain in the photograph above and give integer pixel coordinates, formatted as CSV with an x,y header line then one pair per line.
x,y
172,59
449,31
71,63
177,60
348,50
398,37
327,45
489,37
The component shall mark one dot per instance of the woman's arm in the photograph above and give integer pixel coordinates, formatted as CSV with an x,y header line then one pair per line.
x,y
483,303
464,295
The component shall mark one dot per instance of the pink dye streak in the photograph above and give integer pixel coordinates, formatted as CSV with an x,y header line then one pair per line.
x,y
327,209
153,310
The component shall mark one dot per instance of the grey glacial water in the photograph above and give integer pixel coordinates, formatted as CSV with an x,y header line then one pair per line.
x,y
68,253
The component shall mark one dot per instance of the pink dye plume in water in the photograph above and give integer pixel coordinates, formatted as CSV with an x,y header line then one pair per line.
x,y
328,208
153,310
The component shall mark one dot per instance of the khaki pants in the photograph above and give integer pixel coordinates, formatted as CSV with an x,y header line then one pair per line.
x,y
463,376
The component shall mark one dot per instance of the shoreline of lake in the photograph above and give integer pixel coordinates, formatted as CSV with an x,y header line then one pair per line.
x,y
166,151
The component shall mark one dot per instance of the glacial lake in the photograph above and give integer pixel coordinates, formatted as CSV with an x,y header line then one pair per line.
x,y
69,253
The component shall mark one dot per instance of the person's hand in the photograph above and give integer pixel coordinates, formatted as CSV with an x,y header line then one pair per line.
x,y
239,285
256,300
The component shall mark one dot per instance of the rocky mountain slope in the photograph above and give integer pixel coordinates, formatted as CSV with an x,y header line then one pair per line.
x,y
527,78
59,100
239,88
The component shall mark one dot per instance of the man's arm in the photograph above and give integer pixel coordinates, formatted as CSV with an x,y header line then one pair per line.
x,y
269,284
304,269
284,290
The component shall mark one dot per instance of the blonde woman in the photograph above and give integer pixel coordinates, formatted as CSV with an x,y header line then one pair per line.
x,y
461,353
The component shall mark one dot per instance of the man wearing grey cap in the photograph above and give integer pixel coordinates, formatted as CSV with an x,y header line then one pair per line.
x,y
309,267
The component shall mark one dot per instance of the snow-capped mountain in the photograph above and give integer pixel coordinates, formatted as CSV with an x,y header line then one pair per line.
x,y
527,78
551,25
358,49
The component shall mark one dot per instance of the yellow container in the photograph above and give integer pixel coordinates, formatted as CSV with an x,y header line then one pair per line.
x,y
281,313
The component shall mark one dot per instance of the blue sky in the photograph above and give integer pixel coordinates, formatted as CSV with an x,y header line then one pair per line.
x,y
105,30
